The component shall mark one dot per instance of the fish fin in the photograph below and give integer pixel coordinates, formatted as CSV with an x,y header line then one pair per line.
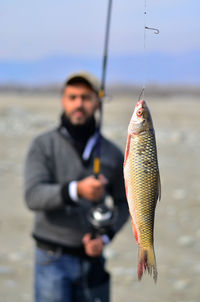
x,y
147,262
127,149
159,187
134,229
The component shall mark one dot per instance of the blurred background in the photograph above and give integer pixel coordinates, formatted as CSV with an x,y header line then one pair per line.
x,y
42,42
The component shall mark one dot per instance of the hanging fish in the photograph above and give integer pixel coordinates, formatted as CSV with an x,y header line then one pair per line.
x,y
142,183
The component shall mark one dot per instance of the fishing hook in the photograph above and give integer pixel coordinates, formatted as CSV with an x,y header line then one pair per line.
x,y
156,31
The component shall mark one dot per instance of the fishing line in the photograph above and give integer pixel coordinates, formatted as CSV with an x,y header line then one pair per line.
x,y
156,31
144,51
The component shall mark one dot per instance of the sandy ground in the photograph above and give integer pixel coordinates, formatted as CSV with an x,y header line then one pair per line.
x,y
177,231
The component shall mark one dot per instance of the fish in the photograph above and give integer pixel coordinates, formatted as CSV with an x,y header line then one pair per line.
x,y
142,184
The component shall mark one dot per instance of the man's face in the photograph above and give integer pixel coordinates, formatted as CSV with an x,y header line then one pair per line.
x,y
79,103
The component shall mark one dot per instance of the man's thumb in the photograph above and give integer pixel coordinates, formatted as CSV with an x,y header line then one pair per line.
x,y
86,238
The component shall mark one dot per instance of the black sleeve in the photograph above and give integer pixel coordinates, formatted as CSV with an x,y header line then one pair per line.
x,y
65,195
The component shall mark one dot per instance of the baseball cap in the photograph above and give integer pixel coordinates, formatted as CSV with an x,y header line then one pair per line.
x,y
86,76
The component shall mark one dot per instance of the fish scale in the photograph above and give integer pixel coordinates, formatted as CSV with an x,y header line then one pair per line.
x,y
142,182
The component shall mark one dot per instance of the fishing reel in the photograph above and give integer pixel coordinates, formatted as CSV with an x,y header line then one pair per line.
x,y
101,218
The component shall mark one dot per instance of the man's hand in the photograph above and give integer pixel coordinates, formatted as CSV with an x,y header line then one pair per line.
x,y
93,247
91,188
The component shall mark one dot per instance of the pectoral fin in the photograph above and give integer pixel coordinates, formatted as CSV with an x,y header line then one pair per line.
x,y
127,149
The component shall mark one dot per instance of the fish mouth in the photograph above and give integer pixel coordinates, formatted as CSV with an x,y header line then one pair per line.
x,y
141,103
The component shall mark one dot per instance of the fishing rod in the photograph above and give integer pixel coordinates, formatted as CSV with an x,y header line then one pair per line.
x,y
101,94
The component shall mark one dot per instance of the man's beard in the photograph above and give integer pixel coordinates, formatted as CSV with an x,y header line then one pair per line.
x,y
79,120
79,131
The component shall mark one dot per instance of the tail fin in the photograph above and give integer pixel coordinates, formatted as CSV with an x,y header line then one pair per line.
x,y
147,261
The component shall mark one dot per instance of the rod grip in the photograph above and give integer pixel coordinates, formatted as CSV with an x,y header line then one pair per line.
x,y
101,93
96,166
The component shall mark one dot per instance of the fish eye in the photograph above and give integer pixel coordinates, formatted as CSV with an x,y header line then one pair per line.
x,y
139,112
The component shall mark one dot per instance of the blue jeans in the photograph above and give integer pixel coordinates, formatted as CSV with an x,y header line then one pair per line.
x,y
67,278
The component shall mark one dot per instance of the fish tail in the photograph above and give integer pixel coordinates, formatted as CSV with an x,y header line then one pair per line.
x,y
147,262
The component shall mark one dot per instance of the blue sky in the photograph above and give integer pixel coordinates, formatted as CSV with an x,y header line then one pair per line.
x,y
32,29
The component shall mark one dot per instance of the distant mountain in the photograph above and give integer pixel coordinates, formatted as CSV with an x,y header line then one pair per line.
x,y
127,69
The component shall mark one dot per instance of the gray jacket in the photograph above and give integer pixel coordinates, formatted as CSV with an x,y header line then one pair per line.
x,y
51,162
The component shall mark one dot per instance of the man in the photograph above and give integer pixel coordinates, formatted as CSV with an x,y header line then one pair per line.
x,y
61,189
